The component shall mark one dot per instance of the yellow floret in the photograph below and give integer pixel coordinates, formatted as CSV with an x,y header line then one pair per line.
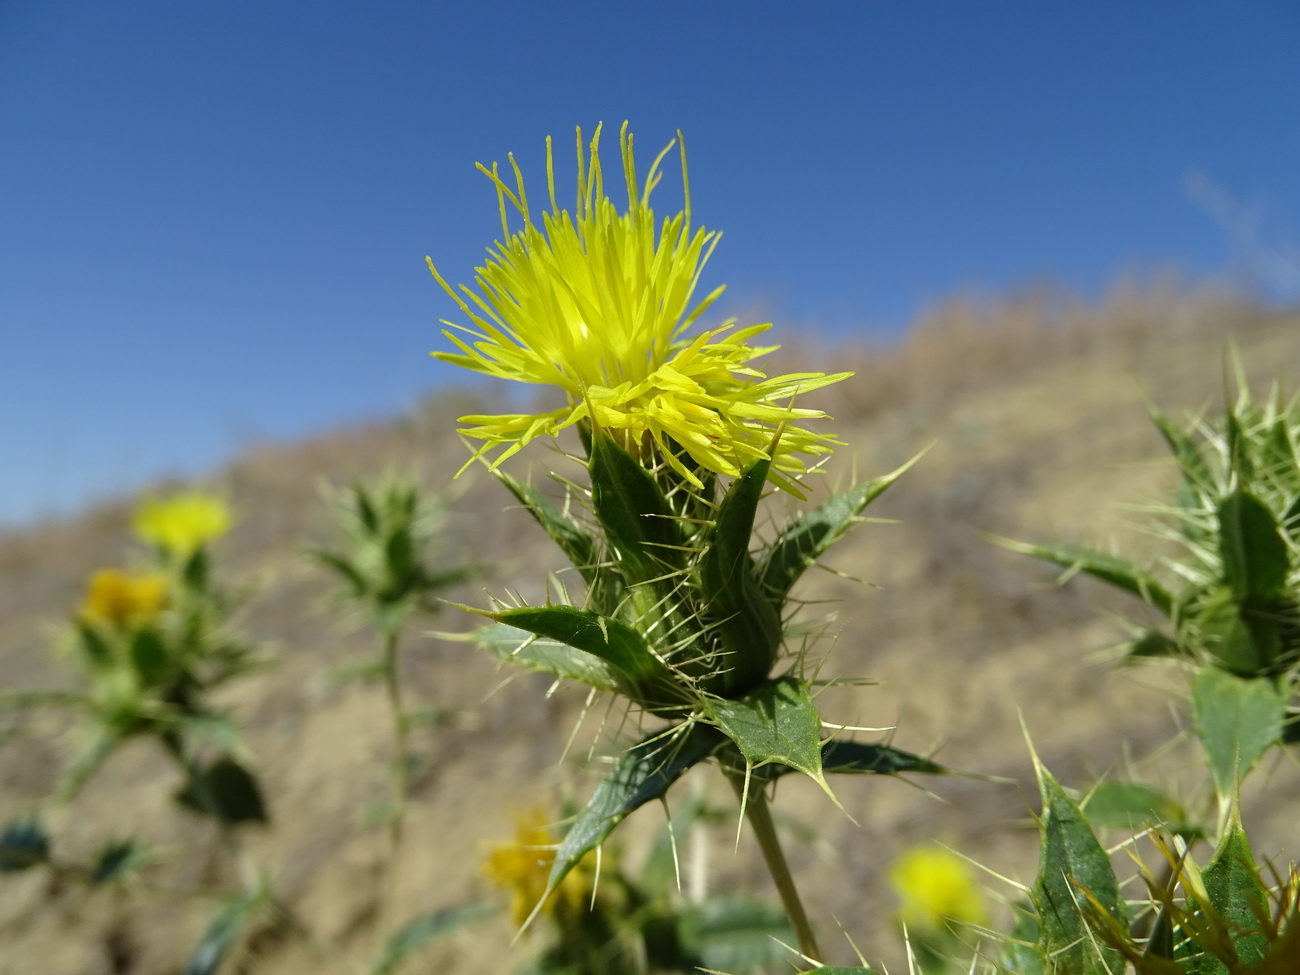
x,y
184,522
123,598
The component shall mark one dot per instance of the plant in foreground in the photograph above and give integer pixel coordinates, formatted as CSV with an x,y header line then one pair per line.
x,y
684,612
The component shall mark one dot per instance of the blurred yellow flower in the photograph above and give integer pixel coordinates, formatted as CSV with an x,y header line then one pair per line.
x,y
124,598
522,865
599,305
184,522
935,885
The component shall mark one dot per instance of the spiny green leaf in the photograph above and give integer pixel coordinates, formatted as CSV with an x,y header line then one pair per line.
x,y
95,650
1191,461
1256,559
1237,895
86,764
861,758
1112,569
517,646
341,564
640,674
1277,450
745,620
365,509
839,755
801,543
778,723
1153,644
1237,720
119,860
23,845
1071,861
1238,636
1021,953
1131,806
224,790
643,773
572,538
1239,452
149,656
632,509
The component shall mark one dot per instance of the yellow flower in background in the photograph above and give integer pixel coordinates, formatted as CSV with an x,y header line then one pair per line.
x,y
599,304
184,522
935,885
124,598
521,866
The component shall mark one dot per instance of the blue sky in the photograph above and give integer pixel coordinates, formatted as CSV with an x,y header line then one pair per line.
x,y
213,217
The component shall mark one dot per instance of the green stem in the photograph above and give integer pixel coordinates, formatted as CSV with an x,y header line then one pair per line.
x,y
400,782
759,815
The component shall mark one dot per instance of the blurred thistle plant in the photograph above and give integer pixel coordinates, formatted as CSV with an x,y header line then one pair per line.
x,y
155,643
1230,595
681,616
390,529
1230,598
152,645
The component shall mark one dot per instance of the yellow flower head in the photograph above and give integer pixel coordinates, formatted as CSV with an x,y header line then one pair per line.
x,y
123,598
935,885
521,868
184,522
599,303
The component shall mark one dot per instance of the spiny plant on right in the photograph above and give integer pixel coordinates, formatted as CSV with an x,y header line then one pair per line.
x,y
1230,596
1228,602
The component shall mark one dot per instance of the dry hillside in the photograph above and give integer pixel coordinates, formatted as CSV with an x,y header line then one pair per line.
x,y
1038,431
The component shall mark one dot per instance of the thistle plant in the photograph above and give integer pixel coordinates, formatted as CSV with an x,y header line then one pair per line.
x,y
1229,594
1228,597
685,611
390,530
153,643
